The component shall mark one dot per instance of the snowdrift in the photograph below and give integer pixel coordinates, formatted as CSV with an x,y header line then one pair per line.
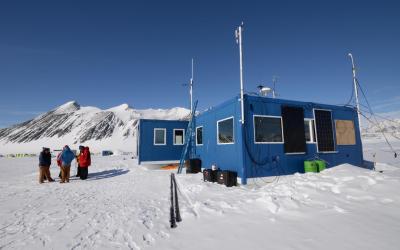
x,y
125,206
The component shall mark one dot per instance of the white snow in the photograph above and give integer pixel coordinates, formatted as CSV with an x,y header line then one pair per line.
x,y
125,206
70,106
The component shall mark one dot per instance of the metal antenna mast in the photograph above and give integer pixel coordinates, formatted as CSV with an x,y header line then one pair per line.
x,y
191,91
355,89
238,35
274,80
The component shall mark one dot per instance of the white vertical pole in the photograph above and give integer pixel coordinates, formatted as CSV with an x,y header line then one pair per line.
x,y
239,41
273,90
355,90
191,91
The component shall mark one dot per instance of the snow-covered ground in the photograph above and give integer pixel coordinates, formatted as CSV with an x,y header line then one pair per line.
x,y
377,149
125,206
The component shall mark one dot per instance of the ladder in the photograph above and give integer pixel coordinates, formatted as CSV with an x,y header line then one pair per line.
x,y
189,149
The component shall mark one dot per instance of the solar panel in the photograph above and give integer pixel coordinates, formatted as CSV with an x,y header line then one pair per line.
x,y
293,129
324,130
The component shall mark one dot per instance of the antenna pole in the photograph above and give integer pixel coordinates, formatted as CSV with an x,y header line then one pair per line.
x,y
274,82
355,90
238,34
191,91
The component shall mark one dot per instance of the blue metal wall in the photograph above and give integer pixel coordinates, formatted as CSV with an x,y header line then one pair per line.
x,y
228,156
259,160
150,152
276,162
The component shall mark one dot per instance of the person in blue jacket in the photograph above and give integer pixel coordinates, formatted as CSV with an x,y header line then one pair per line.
x,y
44,165
66,157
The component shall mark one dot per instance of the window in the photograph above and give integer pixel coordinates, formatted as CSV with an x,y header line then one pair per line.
x,y
324,130
267,129
199,136
160,136
179,136
309,130
225,131
345,134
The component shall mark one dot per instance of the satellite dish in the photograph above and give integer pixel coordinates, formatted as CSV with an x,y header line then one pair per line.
x,y
264,91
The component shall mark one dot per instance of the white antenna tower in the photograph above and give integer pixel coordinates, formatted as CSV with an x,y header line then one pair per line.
x,y
274,80
190,84
355,90
238,35
191,91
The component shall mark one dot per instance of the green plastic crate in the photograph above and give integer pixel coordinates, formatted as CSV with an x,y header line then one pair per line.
x,y
310,167
320,164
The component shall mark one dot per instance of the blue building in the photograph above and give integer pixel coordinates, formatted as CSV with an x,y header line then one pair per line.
x,y
106,153
277,136
160,141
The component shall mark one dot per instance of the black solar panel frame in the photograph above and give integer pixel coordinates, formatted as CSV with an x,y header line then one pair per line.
x,y
324,130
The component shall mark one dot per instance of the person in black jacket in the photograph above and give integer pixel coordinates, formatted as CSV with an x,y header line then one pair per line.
x,y
44,165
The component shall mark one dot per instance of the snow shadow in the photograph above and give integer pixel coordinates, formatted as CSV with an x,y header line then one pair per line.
x,y
107,174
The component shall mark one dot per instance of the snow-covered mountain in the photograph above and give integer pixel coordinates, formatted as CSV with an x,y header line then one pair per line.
x,y
385,126
74,125
389,125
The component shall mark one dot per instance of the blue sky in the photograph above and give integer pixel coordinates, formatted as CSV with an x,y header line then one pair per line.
x,y
105,53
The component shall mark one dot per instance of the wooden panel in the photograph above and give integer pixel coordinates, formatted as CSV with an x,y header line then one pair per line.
x,y
345,134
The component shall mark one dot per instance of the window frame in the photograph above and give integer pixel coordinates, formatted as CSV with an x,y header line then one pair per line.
x,y
197,144
233,131
173,136
254,129
313,134
333,133
154,137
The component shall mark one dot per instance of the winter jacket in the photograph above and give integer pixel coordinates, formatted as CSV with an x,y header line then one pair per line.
x,y
77,158
59,159
84,158
67,156
44,159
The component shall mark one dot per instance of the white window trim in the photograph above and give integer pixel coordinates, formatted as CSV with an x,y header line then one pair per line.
x,y
316,134
310,129
173,136
233,131
201,135
254,130
165,137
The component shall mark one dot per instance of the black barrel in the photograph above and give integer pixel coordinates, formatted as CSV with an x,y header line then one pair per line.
x,y
226,177
194,166
210,175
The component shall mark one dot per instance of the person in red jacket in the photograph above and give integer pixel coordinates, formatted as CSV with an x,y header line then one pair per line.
x,y
59,163
84,163
81,148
